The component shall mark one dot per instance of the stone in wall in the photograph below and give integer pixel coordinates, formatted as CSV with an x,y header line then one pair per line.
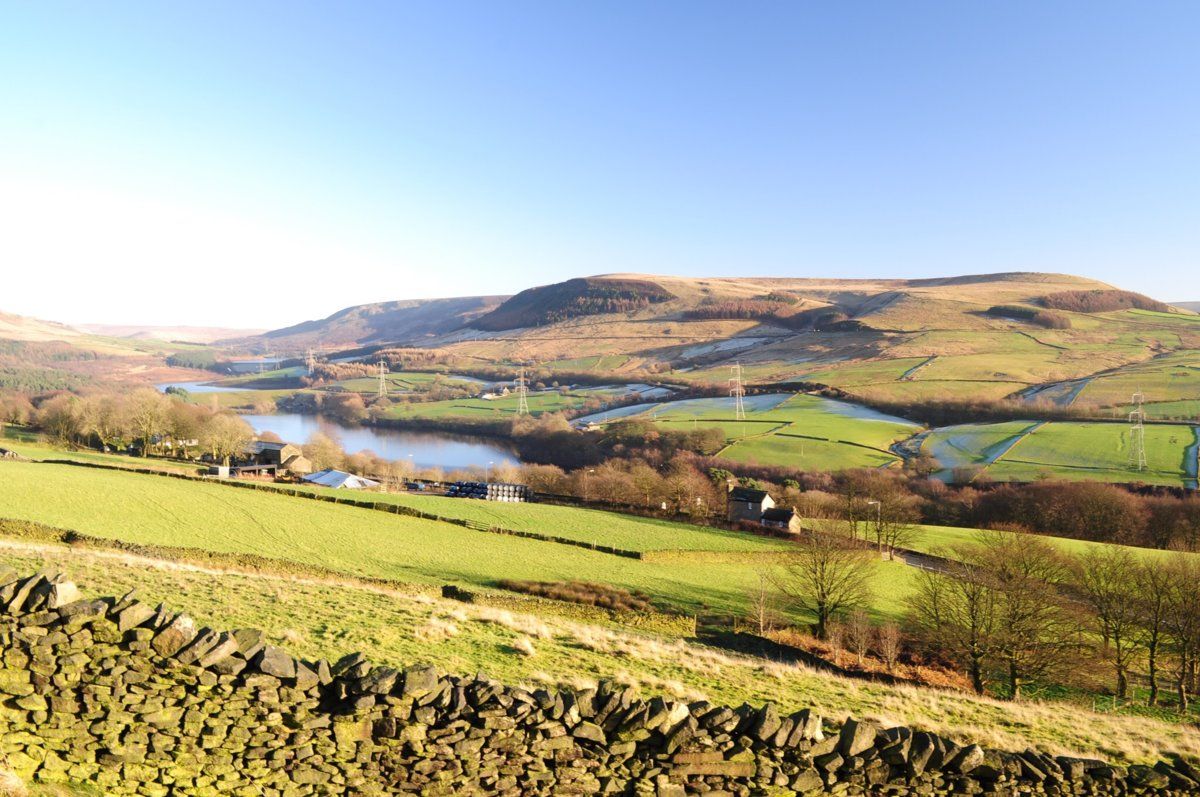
x,y
136,699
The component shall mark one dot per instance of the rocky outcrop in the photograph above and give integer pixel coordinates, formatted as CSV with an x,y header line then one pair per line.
x,y
136,699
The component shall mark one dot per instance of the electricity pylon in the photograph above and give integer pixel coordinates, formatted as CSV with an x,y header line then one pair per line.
x,y
383,369
522,385
738,391
1137,432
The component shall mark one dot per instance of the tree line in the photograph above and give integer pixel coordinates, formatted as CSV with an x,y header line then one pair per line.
x,y
142,421
1008,611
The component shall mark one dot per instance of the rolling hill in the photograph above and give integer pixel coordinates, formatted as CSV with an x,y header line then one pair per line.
x,y
405,322
988,336
19,327
185,334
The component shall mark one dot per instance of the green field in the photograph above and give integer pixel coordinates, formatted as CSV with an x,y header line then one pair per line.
x,y
31,446
1166,379
628,532
937,539
1097,451
156,510
501,407
799,431
1184,410
806,454
1028,451
323,620
405,382
972,443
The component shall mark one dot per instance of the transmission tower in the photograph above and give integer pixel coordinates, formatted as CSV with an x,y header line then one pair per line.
x,y
738,391
383,369
1137,432
311,362
522,384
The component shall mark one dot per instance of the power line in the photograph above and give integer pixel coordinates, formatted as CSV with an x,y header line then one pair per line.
x,y
738,391
311,362
383,369
1137,432
522,384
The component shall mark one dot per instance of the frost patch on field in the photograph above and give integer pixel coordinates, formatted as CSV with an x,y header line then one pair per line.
x,y
861,413
613,414
732,344
760,403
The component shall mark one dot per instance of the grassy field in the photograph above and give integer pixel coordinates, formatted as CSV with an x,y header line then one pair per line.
x,y
405,382
799,430
973,443
629,532
329,620
32,446
1027,451
1163,379
1096,451
932,539
502,407
156,510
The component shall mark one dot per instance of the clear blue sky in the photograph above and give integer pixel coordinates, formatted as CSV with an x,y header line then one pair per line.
x,y
177,160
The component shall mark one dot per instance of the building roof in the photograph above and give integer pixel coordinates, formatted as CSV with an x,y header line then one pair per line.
x,y
339,478
259,446
778,515
747,495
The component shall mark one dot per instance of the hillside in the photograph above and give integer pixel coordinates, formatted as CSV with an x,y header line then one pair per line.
x,y
982,337
563,301
186,334
17,327
405,322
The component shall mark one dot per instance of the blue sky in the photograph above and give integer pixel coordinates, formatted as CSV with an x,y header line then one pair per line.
x,y
263,163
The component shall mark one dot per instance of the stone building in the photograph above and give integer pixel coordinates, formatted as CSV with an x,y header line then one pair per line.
x,y
747,505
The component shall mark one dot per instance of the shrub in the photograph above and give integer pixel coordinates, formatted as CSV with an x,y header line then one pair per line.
x,y
1041,318
587,593
1101,301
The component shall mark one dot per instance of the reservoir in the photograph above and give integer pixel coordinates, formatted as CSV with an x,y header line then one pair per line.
x,y
424,449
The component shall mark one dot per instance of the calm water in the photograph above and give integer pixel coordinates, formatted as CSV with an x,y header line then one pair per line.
x,y
427,449
198,387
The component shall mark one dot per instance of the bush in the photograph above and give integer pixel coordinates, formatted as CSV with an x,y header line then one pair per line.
x,y
1101,301
584,592
1041,318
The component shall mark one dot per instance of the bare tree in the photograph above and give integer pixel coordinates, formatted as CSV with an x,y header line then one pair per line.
x,y
860,634
827,573
224,435
148,415
106,418
835,636
1152,598
1107,580
324,451
955,610
763,599
63,418
1182,621
894,522
891,641
1037,631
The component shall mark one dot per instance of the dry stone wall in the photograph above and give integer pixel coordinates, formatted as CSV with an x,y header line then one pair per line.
x,y
135,699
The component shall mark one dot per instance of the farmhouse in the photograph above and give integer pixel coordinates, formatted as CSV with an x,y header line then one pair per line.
x,y
263,456
783,519
339,479
748,505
